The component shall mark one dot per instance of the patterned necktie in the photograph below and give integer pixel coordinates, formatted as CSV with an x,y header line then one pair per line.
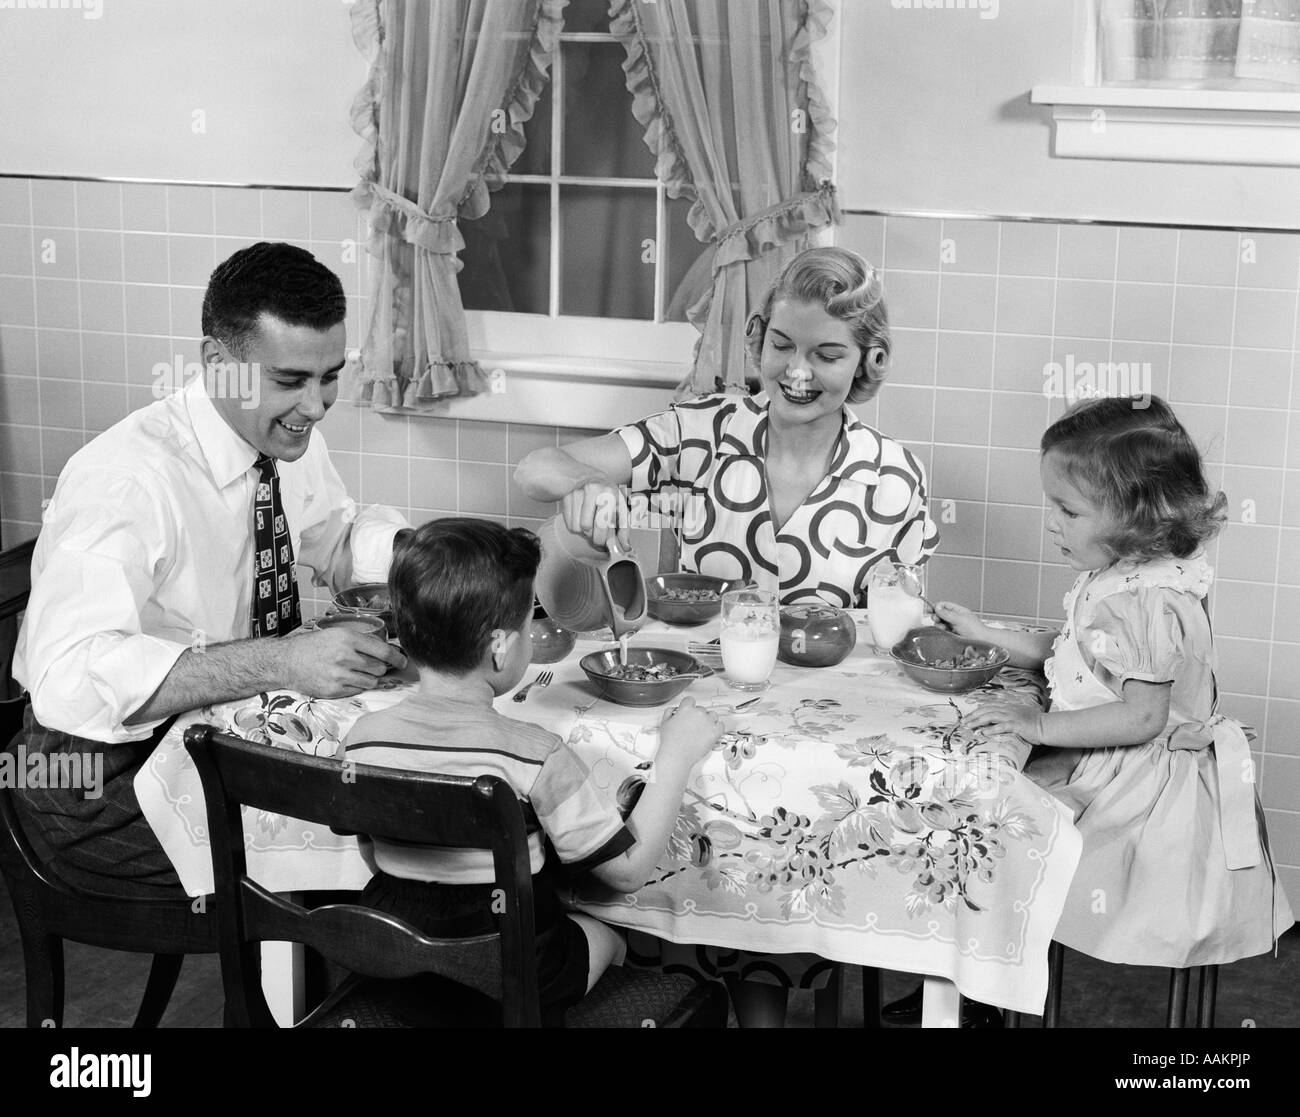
x,y
276,611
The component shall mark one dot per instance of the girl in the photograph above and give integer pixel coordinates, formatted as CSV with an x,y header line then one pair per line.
x,y
1175,869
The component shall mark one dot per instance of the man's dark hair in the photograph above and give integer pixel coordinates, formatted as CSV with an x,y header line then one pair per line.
x,y
453,581
278,279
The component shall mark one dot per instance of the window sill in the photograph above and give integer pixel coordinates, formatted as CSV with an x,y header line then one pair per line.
x,y
576,392
1243,127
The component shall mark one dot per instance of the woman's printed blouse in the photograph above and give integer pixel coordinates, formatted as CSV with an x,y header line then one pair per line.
x,y
699,467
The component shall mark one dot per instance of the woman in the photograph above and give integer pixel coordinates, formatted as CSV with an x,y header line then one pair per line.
x,y
787,488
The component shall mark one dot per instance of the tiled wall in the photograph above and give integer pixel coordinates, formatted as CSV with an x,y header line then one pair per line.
x,y
99,283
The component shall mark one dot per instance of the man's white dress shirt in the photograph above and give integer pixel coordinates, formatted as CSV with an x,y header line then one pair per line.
x,y
147,550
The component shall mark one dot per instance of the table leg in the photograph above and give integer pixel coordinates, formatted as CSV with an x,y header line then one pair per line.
x,y
757,1004
283,973
870,997
940,1004
828,1000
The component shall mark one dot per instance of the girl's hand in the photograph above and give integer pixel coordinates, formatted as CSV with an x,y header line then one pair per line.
x,y
963,621
1008,717
598,511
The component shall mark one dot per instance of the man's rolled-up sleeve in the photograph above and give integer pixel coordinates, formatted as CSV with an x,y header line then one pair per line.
x,y
85,658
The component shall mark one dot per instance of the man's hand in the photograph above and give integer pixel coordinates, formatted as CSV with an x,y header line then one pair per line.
x,y
1008,717
335,662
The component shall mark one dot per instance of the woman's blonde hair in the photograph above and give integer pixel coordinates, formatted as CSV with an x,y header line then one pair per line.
x,y
848,288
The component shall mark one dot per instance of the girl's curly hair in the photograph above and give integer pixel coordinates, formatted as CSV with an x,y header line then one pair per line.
x,y
1133,456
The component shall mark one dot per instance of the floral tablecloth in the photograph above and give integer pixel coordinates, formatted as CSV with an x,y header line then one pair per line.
x,y
847,813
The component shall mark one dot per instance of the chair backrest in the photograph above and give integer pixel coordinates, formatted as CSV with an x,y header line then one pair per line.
x,y
455,812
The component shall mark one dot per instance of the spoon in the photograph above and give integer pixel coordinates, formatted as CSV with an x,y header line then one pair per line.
x,y
912,585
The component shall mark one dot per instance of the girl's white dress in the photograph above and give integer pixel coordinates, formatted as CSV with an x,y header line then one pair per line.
x,y
1176,869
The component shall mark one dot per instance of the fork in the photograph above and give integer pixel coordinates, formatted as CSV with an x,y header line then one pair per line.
x,y
542,680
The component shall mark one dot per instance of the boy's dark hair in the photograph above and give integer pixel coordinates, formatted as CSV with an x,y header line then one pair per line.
x,y
453,581
277,279
1133,457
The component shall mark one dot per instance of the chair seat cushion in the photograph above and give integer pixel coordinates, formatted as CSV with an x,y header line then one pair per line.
x,y
626,997
361,1009
425,1001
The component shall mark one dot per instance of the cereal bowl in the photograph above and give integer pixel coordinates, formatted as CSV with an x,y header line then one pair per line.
x,y
369,599
685,599
620,684
371,626
943,661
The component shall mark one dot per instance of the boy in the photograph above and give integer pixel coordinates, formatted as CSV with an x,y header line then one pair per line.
x,y
462,593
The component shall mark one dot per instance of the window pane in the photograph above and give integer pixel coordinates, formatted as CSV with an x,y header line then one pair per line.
x,y
604,272
687,264
535,159
587,15
507,252
602,138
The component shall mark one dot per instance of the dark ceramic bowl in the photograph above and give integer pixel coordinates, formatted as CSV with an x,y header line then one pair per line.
x,y
685,612
551,643
370,599
814,635
920,649
600,667
374,626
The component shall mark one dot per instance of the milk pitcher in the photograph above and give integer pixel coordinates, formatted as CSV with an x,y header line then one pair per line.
x,y
583,587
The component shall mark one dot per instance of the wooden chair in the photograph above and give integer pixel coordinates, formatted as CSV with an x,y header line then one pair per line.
x,y
49,910
382,952
1176,1009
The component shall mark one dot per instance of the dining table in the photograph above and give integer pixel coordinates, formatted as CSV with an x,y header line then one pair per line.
x,y
846,814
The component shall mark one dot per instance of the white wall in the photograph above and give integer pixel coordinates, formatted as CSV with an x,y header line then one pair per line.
x,y
935,116
933,108
116,96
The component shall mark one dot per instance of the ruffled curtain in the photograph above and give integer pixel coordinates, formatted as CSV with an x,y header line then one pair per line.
x,y
442,114
733,114
1201,41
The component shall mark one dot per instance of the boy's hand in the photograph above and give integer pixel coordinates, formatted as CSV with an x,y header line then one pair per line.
x,y
963,621
1007,717
689,730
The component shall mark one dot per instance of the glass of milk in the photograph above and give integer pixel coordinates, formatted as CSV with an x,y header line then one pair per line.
x,y
751,636
892,612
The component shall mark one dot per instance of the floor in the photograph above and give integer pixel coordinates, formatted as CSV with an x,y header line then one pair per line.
x,y
103,988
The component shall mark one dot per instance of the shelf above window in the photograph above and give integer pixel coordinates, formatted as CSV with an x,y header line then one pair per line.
x,y
1164,125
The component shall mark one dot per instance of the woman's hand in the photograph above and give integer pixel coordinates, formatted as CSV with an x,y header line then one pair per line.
x,y
963,622
1002,717
597,510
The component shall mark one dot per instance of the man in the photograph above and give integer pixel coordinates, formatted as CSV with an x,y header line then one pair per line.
x,y
166,558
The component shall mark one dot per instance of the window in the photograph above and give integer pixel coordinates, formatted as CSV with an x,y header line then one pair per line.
x,y
1189,81
583,228
1201,44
